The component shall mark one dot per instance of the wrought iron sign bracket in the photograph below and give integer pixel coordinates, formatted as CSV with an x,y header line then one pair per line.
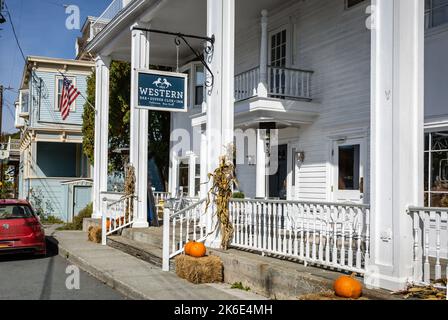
x,y
179,37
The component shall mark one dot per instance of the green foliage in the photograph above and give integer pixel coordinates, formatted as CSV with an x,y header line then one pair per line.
x,y
88,120
51,220
240,286
6,189
238,195
119,122
78,220
43,207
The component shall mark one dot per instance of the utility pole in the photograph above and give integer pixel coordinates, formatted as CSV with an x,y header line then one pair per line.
x,y
2,173
1,110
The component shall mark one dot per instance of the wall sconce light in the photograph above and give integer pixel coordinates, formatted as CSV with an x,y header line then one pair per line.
x,y
300,156
251,160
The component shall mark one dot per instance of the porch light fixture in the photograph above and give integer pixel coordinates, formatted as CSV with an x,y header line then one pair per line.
x,y
300,156
251,160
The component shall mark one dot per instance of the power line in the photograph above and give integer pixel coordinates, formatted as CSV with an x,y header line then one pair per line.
x,y
14,31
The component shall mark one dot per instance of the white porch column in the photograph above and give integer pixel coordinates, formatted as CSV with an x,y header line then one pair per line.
x,y
192,175
397,138
261,178
174,175
220,98
139,127
263,85
100,168
203,159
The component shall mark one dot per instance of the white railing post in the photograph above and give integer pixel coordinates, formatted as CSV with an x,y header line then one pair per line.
x,y
166,239
263,82
103,222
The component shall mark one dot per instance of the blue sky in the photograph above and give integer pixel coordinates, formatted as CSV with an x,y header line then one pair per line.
x,y
40,26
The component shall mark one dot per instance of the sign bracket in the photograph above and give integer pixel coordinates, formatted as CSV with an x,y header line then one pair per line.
x,y
179,37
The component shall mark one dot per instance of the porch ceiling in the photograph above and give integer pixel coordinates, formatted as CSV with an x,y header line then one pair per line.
x,y
185,16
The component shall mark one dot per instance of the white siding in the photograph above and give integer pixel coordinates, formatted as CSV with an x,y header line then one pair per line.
x,y
335,44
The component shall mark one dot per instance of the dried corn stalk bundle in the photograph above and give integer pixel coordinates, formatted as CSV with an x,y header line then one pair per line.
x,y
223,180
129,189
423,292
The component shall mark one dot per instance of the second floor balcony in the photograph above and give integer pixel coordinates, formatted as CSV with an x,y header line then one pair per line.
x,y
279,82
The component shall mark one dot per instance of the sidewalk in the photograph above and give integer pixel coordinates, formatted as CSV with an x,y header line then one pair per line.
x,y
133,277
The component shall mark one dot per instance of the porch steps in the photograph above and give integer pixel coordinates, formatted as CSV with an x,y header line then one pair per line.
x,y
141,250
268,276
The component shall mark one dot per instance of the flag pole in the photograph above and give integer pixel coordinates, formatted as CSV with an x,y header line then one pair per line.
x,y
80,93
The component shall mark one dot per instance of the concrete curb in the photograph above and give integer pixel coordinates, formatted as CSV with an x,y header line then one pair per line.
x,y
100,275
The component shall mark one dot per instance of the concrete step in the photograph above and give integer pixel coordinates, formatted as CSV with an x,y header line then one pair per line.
x,y
141,250
151,236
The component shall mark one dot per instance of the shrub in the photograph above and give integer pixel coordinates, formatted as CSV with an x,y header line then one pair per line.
x,y
51,220
238,195
77,221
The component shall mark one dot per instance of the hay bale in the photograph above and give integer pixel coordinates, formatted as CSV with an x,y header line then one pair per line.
x,y
208,269
324,295
94,234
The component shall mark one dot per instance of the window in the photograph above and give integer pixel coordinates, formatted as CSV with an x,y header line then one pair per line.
x,y
277,77
197,179
349,167
9,212
24,100
436,169
199,86
278,49
436,13
351,3
184,176
61,160
59,85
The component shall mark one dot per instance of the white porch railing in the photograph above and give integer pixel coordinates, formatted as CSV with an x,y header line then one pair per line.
x,y
117,214
285,83
161,196
430,226
181,227
327,234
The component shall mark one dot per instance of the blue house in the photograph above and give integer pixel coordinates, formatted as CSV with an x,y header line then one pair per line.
x,y
54,173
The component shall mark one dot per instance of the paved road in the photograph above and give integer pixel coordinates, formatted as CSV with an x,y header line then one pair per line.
x,y
27,278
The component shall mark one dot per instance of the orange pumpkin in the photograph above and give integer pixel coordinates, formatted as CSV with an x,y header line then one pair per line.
x,y
118,221
187,247
107,224
197,250
348,287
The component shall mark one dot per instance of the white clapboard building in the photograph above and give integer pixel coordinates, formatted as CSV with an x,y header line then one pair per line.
x,y
345,98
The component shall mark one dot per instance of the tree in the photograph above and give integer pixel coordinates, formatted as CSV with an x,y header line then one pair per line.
x,y
119,122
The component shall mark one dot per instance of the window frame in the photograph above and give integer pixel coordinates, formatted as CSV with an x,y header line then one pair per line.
x,y
347,7
429,14
56,93
427,180
22,93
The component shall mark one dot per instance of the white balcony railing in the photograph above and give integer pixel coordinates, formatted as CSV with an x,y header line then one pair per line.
x,y
112,10
324,234
284,83
430,229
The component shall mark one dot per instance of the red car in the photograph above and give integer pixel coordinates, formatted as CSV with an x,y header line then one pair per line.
x,y
20,229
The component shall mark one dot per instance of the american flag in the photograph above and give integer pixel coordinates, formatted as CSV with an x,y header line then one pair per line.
x,y
69,95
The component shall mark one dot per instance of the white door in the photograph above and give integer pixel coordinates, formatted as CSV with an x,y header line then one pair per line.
x,y
349,159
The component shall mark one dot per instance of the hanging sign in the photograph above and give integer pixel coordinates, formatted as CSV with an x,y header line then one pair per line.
x,y
161,91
